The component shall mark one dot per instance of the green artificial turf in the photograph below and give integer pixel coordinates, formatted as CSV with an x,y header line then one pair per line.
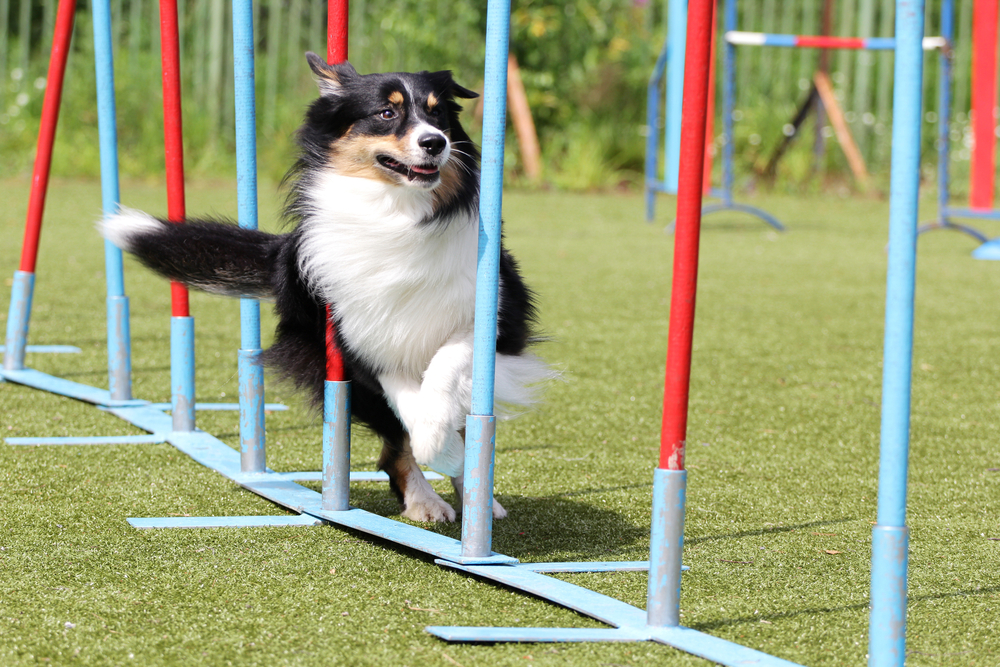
x,y
782,453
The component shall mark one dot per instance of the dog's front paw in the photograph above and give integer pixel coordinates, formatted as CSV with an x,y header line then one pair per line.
x,y
438,447
430,509
498,511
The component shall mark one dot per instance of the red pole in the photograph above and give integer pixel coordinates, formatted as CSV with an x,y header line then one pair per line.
x,y
697,63
336,31
984,102
47,133
336,52
173,135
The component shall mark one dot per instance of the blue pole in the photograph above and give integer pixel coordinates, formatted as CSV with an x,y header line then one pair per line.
x,y
887,627
18,317
119,338
182,401
653,135
676,39
728,102
944,108
666,545
477,501
336,445
250,368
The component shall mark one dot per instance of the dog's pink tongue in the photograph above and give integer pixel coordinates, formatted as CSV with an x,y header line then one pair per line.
x,y
424,170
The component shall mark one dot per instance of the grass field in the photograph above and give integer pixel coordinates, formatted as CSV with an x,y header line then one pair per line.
x,y
783,454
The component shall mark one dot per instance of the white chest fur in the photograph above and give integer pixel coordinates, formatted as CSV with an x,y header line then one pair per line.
x,y
402,287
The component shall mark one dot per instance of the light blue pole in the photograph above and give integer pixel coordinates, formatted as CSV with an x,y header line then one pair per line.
x,y
182,401
944,107
887,627
728,104
677,40
653,135
336,445
18,318
477,506
250,368
119,338
663,598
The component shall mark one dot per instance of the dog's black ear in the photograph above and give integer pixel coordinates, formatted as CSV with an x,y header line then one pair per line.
x,y
453,89
330,78
459,91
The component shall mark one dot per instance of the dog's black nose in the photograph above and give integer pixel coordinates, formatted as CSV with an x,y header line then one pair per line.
x,y
432,143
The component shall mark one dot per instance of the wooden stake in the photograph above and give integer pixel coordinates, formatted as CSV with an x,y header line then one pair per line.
x,y
524,124
850,148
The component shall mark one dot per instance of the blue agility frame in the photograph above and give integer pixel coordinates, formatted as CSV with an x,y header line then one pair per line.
x,y
671,63
473,554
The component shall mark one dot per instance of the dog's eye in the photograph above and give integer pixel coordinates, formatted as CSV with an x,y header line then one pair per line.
x,y
434,111
387,114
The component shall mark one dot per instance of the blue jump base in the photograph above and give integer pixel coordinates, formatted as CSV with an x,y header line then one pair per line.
x,y
306,506
47,349
988,250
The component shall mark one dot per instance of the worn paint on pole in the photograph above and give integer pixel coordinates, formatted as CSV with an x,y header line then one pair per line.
x,y
250,368
336,445
477,524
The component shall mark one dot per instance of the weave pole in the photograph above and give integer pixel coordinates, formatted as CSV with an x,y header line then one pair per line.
x,y
182,399
890,536
22,290
119,336
250,367
984,103
480,425
670,478
336,389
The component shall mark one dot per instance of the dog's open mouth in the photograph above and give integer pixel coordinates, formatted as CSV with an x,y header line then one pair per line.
x,y
418,172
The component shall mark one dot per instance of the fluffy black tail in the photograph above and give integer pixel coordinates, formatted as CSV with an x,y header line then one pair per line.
x,y
215,257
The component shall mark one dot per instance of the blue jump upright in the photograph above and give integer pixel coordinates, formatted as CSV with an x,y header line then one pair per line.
x,y
250,364
887,628
670,63
119,337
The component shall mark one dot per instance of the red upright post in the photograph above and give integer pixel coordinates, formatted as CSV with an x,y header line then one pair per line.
x,y
688,227
47,133
336,390
173,135
336,32
182,359
336,52
984,102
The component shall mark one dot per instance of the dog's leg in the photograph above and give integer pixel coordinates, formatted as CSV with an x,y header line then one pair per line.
x,y
498,511
434,410
420,502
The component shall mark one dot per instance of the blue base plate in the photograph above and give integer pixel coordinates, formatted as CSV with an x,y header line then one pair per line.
x,y
988,250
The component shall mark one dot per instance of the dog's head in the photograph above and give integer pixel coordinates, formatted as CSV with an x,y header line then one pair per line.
x,y
397,127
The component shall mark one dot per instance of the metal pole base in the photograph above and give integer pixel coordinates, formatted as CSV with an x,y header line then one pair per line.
x,y
477,496
663,602
119,349
182,402
887,625
18,317
250,371
336,446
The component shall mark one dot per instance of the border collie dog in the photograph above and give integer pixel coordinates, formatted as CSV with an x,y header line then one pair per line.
x,y
384,203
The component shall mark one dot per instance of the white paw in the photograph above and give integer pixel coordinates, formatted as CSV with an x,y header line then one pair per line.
x,y
431,509
498,511
439,448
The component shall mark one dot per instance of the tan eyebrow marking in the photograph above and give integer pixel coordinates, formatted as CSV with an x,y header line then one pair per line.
x,y
432,101
396,97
